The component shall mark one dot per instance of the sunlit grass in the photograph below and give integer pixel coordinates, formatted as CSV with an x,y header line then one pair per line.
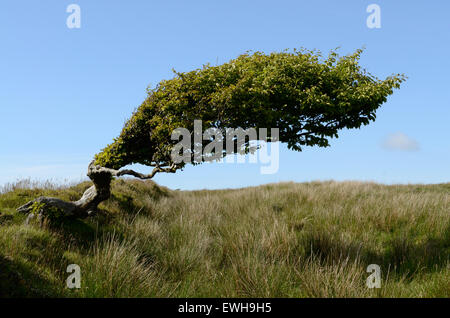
x,y
279,240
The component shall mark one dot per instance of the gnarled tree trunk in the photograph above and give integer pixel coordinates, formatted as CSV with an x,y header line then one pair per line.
x,y
85,206
92,197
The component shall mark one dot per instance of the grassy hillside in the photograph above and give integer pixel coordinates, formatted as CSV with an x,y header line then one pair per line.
x,y
280,240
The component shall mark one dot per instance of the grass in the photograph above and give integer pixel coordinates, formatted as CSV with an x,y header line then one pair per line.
x,y
278,240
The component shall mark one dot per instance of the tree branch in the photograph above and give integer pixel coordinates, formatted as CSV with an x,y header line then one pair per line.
x,y
139,175
118,173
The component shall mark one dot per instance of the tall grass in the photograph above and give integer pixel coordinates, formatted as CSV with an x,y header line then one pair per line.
x,y
279,240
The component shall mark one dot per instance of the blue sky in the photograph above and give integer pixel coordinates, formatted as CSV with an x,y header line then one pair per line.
x,y
65,93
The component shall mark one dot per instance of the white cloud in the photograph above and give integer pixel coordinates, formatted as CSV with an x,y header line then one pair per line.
x,y
400,141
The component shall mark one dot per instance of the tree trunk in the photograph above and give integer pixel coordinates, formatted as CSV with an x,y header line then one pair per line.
x,y
87,205
92,197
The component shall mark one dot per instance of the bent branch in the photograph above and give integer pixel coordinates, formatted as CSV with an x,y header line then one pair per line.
x,y
92,197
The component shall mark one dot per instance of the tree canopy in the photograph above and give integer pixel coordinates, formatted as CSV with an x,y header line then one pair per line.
x,y
309,98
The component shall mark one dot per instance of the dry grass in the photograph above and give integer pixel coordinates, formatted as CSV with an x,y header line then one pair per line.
x,y
279,240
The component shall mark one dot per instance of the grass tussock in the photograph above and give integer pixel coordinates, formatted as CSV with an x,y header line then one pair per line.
x,y
279,240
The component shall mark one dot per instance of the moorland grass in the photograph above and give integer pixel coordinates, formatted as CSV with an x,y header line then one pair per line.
x,y
279,240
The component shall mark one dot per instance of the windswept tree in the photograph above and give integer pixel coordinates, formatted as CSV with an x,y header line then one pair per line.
x,y
307,97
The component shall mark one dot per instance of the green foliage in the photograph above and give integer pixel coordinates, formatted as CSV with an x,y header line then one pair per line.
x,y
308,98
37,208
52,214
